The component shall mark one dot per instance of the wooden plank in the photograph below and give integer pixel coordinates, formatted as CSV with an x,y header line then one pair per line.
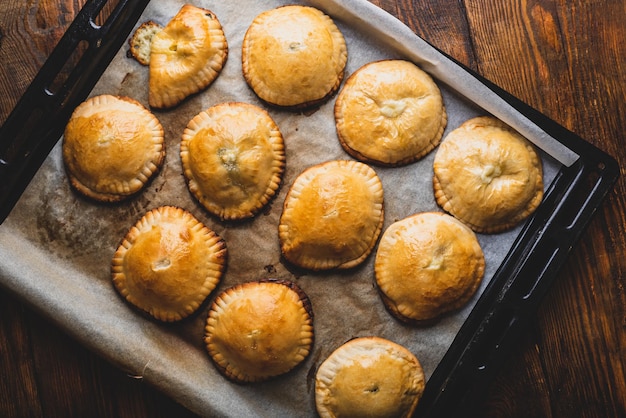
x,y
442,23
20,397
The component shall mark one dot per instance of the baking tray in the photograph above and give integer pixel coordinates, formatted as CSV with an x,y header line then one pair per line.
x,y
504,307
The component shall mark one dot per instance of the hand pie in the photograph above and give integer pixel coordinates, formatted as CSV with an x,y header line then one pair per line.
x,y
259,330
369,377
294,56
233,157
332,216
427,265
112,146
168,264
141,40
390,113
186,56
487,175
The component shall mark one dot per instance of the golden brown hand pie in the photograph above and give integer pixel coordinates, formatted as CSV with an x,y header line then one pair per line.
x,y
168,264
112,146
332,216
186,56
259,330
294,56
233,158
487,175
426,265
369,377
390,112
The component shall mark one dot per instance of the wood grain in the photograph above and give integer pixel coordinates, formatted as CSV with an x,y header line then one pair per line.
x,y
563,57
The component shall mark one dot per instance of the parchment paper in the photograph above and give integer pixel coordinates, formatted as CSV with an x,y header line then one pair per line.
x,y
56,247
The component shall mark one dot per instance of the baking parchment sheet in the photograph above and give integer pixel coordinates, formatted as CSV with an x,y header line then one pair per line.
x,y
56,247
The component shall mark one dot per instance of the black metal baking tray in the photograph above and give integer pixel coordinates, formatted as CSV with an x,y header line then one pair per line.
x,y
524,277
504,307
39,117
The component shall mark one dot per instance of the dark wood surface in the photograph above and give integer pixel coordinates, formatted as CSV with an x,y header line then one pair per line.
x,y
563,57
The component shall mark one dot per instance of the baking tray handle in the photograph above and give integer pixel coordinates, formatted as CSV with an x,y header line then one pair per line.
x,y
38,119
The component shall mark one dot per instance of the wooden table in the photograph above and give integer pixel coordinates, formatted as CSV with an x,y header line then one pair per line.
x,y
563,57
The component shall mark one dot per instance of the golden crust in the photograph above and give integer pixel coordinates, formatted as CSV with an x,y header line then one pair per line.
x,y
487,175
369,376
112,146
168,264
294,56
390,113
426,265
259,330
332,216
233,158
186,56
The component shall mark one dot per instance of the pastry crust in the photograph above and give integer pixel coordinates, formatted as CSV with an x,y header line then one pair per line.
x,y
426,265
168,264
141,40
186,56
390,113
233,158
259,330
332,216
112,146
487,175
294,56
369,377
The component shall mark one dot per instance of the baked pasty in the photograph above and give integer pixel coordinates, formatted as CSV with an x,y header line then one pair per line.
x,y
294,56
426,265
141,40
168,264
487,175
186,56
369,377
390,113
112,146
259,330
233,158
332,216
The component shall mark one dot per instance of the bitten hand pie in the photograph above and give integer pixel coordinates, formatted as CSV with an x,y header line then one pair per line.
x,y
294,56
112,146
186,56
369,377
168,264
332,216
390,113
233,158
426,265
140,43
259,330
487,175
